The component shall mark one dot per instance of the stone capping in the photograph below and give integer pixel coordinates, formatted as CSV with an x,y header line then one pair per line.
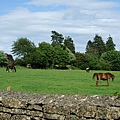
x,y
27,106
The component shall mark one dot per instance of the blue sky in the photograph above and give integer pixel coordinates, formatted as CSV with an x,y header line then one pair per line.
x,y
79,19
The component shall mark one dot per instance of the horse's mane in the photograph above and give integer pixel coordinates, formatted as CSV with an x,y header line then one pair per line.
x,y
110,74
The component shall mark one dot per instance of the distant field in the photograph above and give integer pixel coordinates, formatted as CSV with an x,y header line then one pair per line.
x,y
57,82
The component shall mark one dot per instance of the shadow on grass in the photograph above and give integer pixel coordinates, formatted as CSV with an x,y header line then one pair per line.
x,y
100,85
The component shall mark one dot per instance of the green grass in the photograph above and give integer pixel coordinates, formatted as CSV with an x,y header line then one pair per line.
x,y
57,82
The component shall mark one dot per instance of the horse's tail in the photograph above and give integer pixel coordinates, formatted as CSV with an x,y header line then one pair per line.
x,y
94,75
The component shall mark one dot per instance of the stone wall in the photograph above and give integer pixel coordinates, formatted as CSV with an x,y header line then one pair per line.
x,y
25,106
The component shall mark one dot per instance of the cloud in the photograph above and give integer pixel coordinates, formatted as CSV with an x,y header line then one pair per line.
x,y
77,20
86,4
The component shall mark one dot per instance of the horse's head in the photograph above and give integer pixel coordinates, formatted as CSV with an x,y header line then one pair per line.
x,y
112,76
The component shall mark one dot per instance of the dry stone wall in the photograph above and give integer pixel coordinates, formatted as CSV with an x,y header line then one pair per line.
x,y
25,106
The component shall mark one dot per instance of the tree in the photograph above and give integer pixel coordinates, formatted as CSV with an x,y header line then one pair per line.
x,y
81,62
60,57
47,49
97,47
113,57
104,64
3,59
22,47
38,59
109,44
90,48
71,56
93,62
20,62
68,42
84,60
57,38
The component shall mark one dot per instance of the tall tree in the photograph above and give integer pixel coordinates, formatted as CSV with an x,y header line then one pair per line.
x,y
22,47
109,44
57,38
68,42
97,47
90,48
47,49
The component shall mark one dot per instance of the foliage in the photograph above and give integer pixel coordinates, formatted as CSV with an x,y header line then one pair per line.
x,y
113,57
60,57
3,59
22,47
61,52
97,47
68,42
57,38
93,62
104,64
109,44
19,62
81,61
38,59
84,60
47,50
45,55
71,55
90,48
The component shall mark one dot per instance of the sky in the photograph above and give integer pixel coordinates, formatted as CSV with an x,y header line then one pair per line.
x,y
79,19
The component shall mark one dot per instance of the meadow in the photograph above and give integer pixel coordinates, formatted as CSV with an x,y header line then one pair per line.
x,y
57,82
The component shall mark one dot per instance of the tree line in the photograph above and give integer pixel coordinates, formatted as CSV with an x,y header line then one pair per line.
x,y
61,54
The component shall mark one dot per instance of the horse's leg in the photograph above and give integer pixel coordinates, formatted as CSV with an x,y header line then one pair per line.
x,y
7,69
15,69
108,82
98,80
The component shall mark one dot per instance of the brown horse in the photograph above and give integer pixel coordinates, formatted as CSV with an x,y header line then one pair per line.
x,y
103,76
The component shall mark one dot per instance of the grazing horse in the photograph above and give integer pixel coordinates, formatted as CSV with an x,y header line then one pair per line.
x,y
87,69
103,76
28,66
10,63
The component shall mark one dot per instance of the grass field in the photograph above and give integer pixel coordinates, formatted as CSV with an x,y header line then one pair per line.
x,y
57,82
